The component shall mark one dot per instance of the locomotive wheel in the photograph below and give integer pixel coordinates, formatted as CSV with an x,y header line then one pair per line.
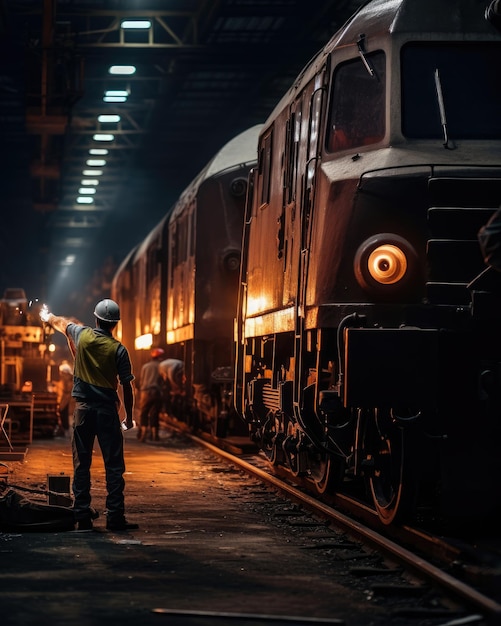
x,y
326,473
271,441
271,453
387,468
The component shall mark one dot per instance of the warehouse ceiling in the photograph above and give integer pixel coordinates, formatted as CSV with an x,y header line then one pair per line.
x,y
205,71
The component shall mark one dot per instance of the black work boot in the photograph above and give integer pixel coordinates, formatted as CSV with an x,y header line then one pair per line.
x,y
84,523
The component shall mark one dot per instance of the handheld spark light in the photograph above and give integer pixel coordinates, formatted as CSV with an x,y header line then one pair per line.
x,y
44,313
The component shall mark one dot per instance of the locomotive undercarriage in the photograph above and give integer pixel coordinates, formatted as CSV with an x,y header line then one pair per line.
x,y
213,406
389,422
207,404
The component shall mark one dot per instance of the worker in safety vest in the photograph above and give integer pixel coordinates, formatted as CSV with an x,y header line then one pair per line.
x,y
101,362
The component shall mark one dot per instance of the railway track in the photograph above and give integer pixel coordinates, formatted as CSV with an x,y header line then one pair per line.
x,y
460,571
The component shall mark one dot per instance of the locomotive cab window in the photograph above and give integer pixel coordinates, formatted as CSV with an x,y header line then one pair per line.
x,y
466,76
357,109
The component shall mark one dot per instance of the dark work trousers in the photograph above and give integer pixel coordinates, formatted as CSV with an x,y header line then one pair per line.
x,y
103,422
150,404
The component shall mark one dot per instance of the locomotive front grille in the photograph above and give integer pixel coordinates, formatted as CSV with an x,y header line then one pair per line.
x,y
459,207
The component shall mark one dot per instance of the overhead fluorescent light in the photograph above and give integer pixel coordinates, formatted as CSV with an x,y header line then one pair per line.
x,y
117,92
136,24
116,95
98,151
103,137
90,181
89,191
109,119
92,172
84,200
126,70
95,162
115,99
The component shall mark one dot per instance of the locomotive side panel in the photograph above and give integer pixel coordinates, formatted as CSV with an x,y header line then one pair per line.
x,y
181,274
280,212
264,275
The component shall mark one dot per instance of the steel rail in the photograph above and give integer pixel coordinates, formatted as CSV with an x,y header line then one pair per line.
x,y
456,587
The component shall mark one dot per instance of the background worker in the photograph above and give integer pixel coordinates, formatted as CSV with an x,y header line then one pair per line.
x,y
150,399
65,402
172,373
100,363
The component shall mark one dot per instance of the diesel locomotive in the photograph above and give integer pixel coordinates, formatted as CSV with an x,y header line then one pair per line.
x,y
368,332
326,289
178,288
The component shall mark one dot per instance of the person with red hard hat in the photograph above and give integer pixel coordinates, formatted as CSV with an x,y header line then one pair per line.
x,y
150,399
101,362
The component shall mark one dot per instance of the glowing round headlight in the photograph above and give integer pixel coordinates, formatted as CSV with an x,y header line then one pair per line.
x,y
387,264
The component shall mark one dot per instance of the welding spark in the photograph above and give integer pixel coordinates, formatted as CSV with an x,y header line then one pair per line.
x,y
44,313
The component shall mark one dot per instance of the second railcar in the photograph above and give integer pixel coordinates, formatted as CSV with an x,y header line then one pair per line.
x,y
204,248
179,286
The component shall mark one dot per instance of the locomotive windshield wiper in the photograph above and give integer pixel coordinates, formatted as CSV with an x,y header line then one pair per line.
x,y
448,143
361,52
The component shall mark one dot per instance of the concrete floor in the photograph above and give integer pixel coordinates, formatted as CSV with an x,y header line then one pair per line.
x,y
204,545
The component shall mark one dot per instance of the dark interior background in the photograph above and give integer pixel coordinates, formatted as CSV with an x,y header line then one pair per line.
x,y
206,70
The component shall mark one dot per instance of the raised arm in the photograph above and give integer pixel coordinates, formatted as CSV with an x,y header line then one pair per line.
x,y
58,323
